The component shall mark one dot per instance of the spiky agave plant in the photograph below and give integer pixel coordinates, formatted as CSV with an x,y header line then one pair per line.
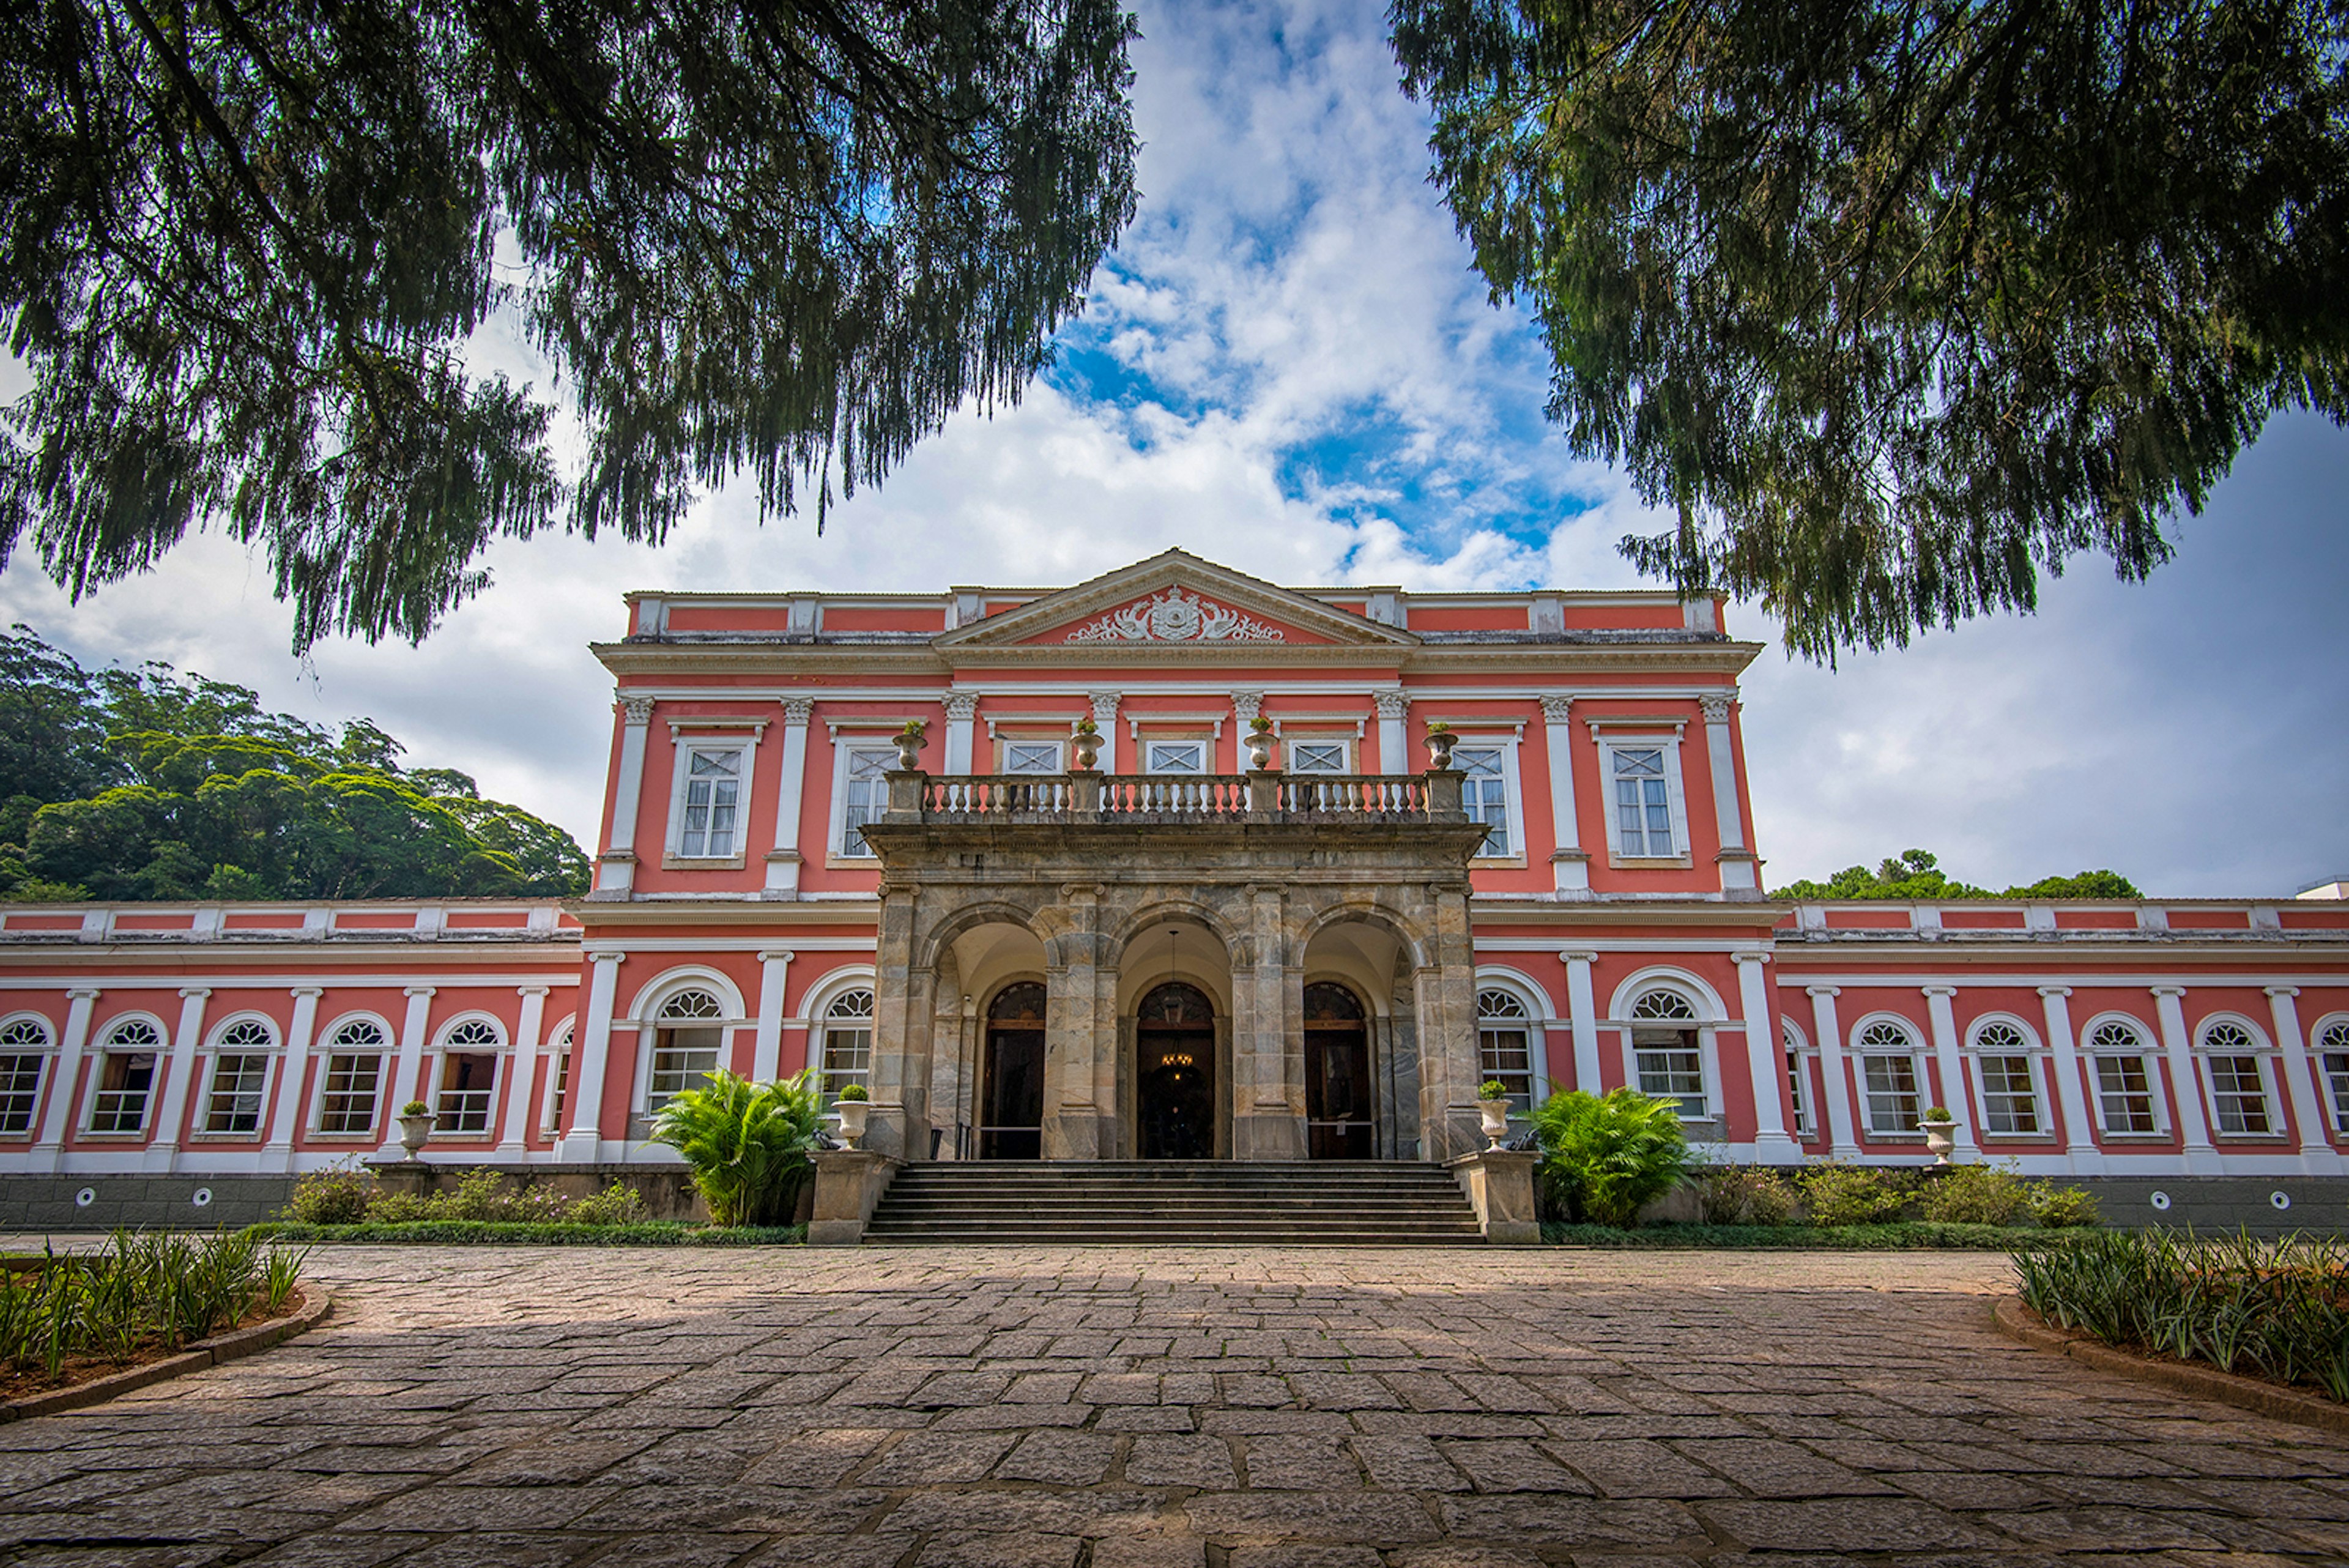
x,y
1604,1155
747,1143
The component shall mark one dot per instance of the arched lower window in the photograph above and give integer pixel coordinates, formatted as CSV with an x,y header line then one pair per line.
x,y
2239,1094
240,1075
126,1077
2124,1101
353,1080
2332,1046
23,1050
561,1085
1790,1040
845,1051
469,1074
2010,1096
1504,1046
684,1047
1888,1061
1665,1051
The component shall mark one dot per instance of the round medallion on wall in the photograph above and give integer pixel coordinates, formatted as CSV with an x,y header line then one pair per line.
x,y
2279,1201
2160,1200
202,1197
86,1197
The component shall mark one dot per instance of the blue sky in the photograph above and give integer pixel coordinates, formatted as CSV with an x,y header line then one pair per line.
x,y
1287,365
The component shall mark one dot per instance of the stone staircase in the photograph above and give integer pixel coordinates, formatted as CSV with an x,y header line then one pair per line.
x,y
1146,1202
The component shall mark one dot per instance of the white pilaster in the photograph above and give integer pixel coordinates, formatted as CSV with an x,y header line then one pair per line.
x,y
1393,758
2071,1093
1569,867
767,1047
2307,1108
618,873
1765,1059
590,1050
406,1083
285,1116
64,1084
1842,1144
1952,1064
173,1112
784,860
2185,1083
1582,1014
1739,873
1105,706
962,707
521,1068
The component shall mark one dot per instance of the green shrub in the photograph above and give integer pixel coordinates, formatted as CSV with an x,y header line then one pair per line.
x,y
618,1204
338,1195
1605,1157
143,1291
1974,1195
747,1143
2056,1207
1742,1195
1851,1194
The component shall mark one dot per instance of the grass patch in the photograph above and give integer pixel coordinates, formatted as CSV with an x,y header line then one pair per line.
x,y
535,1233
1894,1236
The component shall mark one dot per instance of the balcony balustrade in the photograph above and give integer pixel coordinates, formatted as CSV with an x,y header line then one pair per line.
x,y
1163,798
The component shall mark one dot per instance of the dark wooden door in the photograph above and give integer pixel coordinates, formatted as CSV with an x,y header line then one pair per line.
x,y
1342,1103
1175,1098
1012,1097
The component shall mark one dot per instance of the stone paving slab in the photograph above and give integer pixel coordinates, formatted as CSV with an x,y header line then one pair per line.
x,y
1164,1409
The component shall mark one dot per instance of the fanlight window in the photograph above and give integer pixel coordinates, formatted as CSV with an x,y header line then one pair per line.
x,y
474,1034
1663,1005
847,1042
691,1005
24,1047
1504,1046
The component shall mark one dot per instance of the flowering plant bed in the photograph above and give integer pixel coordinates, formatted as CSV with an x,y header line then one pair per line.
x,y
1903,1235
528,1233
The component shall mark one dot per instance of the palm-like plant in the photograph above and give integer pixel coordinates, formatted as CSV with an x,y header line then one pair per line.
x,y
748,1143
1604,1156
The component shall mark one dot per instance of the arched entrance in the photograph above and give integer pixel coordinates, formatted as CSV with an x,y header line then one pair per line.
x,y
1012,1097
1341,1102
1175,1045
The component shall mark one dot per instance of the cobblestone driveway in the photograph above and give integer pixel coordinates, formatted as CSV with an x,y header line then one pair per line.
x,y
1419,1409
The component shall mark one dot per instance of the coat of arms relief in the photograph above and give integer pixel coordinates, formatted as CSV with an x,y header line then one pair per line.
x,y
1176,616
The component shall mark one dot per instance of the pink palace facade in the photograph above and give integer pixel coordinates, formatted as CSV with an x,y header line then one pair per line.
x,y
1174,954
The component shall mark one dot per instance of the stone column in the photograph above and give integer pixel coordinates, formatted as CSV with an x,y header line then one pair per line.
x,y
1765,1059
523,1073
1739,876
1080,1105
1582,1017
65,1086
2307,1109
1105,719
171,1116
591,1049
2185,1082
1447,991
615,872
2063,1067
767,1042
1842,1143
1569,866
1955,1095
407,1082
1267,1039
783,861
285,1118
1395,744
897,1008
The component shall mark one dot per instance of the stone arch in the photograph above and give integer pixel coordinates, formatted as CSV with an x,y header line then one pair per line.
x,y
968,918
1412,937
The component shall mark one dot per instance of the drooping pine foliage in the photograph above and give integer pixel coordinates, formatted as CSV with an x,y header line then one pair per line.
x,y
1899,303
146,783
242,249
1917,874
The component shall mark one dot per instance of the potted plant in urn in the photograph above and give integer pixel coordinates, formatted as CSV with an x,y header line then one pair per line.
x,y
1440,742
1087,745
1493,1104
416,1119
1936,1125
1259,742
854,1106
909,741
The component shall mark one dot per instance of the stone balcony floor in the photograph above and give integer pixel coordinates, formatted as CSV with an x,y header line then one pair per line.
x,y
1130,1409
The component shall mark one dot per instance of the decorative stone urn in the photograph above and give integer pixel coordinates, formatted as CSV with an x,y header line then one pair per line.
x,y
1936,1131
1259,745
415,1131
851,1120
1087,746
909,742
1440,742
1495,1113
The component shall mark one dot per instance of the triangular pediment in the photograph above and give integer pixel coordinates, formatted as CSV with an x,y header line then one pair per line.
x,y
1175,599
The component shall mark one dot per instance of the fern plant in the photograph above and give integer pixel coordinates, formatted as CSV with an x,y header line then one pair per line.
x,y
1605,1156
747,1143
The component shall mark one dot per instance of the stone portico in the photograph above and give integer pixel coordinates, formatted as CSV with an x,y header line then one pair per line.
x,y
1249,891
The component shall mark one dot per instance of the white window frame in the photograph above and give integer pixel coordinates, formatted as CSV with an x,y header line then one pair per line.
x,y
2034,1066
1676,793
47,1051
1467,737
1914,1054
820,1040
105,1047
845,746
1006,745
1795,1050
2147,1060
217,1046
647,1020
560,1044
744,749
2261,1051
1344,744
1709,1016
500,1051
387,1056
1206,749
2331,1038
1539,1020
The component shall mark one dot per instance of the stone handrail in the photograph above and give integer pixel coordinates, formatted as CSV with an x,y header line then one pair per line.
x,y
1400,797
1174,797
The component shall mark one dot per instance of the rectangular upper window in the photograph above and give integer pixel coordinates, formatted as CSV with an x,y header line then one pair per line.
x,y
864,794
1484,793
1643,803
1176,756
709,825
1315,756
1031,757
